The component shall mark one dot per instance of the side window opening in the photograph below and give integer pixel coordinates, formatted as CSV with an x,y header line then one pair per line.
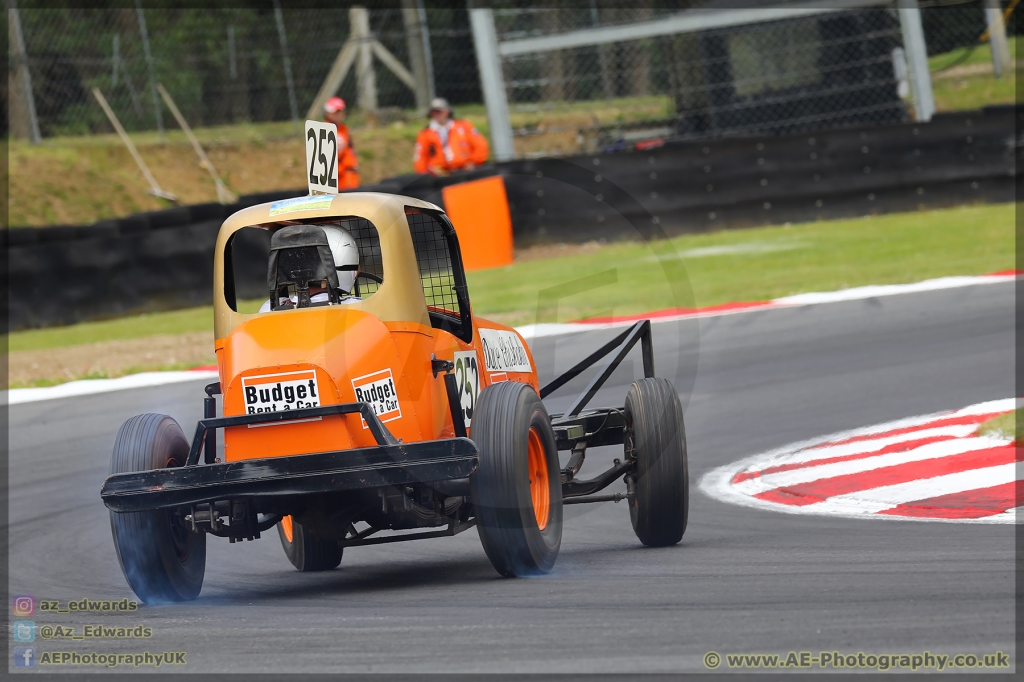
x,y
247,256
441,273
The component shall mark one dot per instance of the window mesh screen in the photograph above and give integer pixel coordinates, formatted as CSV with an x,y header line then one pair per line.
x,y
370,260
435,263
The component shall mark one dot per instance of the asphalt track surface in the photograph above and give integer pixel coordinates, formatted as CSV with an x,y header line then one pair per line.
x,y
742,581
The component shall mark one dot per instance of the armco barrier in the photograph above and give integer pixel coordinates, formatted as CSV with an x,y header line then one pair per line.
x,y
163,260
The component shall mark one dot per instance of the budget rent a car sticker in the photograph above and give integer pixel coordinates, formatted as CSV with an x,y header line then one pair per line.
x,y
504,351
378,389
280,392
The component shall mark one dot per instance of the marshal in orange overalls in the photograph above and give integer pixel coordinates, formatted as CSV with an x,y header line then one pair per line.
x,y
348,164
465,146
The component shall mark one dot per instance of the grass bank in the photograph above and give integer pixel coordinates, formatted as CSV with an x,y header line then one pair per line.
x,y
1003,426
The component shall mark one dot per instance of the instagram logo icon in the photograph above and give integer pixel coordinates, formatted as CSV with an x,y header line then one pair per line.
x,y
24,605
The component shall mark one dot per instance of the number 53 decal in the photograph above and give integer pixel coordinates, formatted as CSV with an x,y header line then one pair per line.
x,y
322,157
467,378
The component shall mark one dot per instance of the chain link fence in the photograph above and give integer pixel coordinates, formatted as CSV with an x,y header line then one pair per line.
x,y
823,70
228,65
222,65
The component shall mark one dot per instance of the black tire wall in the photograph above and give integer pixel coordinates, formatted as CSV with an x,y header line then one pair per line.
x,y
164,260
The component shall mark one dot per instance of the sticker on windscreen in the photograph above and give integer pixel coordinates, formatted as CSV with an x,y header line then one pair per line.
x,y
282,392
378,390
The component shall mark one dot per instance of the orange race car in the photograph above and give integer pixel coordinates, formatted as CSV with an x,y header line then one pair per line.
x,y
366,404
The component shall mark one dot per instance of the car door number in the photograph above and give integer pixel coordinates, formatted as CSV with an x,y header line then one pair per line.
x,y
467,378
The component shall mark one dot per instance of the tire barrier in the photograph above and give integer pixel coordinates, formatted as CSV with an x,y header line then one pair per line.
x,y
161,260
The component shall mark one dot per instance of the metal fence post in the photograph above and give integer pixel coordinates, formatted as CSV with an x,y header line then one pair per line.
x,y
917,56
997,37
149,67
359,19
485,40
283,38
417,40
31,130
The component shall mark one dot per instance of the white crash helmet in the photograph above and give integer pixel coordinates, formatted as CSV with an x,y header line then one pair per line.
x,y
346,255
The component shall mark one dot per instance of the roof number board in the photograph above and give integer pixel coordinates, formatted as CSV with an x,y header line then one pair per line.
x,y
322,157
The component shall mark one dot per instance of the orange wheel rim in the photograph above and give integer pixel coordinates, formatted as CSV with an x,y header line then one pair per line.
x,y
540,491
286,526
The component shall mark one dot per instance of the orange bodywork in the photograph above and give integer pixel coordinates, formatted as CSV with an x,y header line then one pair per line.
x,y
341,346
345,348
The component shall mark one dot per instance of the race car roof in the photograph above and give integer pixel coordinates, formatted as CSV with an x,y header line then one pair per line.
x,y
399,299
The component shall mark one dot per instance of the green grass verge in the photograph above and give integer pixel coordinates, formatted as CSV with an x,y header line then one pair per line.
x,y
732,265
42,383
980,54
1004,426
752,265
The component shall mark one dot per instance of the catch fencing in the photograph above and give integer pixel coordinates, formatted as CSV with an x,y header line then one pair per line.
x,y
229,64
222,64
808,72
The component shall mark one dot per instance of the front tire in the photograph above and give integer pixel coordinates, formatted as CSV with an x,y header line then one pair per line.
x,y
305,550
517,490
656,438
162,560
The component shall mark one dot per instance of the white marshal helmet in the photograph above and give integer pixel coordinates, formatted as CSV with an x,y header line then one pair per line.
x,y
346,255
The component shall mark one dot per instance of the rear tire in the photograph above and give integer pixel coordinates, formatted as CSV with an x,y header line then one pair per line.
x,y
162,560
305,550
655,436
517,490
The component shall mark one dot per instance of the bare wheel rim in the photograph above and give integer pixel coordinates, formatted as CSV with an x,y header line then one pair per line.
x,y
540,492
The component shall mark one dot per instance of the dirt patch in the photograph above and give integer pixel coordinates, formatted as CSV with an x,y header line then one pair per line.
x,y
110,358
973,70
546,251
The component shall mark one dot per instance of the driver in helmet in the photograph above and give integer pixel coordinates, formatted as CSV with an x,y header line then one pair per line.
x,y
345,252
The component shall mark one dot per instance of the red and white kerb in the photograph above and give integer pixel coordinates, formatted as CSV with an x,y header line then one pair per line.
x,y
933,467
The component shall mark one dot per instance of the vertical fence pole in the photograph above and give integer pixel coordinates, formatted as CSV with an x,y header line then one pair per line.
x,y
359,20
417,42
485,40
917,56
997,37
149,67
283,38
24,78
232,64
113,62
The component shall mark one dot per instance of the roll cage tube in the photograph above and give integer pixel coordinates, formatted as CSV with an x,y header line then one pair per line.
x,y
463,329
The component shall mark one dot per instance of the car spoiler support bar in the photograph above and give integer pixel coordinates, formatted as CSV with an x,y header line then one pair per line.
x,y
621,345
199,441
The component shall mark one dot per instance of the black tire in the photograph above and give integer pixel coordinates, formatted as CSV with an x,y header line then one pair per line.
x,y
656,437
306,551
162,560
517,541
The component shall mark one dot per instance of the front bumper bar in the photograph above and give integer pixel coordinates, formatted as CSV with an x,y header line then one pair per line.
x,y
372,467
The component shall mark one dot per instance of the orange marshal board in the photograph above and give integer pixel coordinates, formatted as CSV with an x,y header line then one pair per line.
x,y
479,211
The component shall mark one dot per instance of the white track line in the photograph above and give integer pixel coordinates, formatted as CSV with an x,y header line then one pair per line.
x,y
886,497
809,474
862,447
718,484
90,386
530,331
